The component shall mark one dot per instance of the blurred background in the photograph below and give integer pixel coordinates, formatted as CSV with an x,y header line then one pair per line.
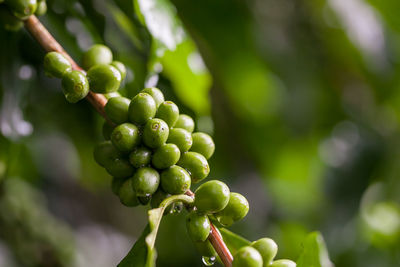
x,y
302,98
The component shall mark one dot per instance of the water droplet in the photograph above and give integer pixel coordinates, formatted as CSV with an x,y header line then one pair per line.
x,y
208,261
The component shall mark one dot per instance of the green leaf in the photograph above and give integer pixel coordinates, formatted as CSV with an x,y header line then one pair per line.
x,y
143,252
314,252
233,241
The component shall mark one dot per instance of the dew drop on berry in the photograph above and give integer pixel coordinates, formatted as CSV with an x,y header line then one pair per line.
x,y
208,261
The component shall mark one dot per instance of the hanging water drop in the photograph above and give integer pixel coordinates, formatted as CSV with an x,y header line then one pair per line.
x,y
208,261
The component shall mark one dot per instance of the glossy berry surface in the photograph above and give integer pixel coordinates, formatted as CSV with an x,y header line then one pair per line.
x,y
120,67
168,112
247,257
41,8
105,153
142,108
175,180
117,109
22,9
156,93
119,168
55,64
155,133
125,137
196,164
116,184
211,197
181,138
165,156
97,54
104,78
267,249
283,263
140,157
145,181
237,209
185,122
203,144
75,86
205,249
198,226
126,194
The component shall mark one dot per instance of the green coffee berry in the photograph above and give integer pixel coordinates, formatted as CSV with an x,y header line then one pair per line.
x,y
206,249
282,263
22,9
168,112
97,54
75,86
267,249
120,67
126,194
237,209
155,133
119,168
203,144
175,180
181,138
125,137
185,122
8,20
247,257
211,197
158,197
165,156
105,153
116,184
156,94
140,157
104,78
107,130
41,8
55,64
196,164
145,181
198,226
145,200
142,108
117,109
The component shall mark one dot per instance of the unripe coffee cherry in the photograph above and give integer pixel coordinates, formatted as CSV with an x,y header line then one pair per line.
x,y
125,137
8,20
175,180
22,9
107,130
267,248
283,263
198,226
203,144
169,112
126,194
75,86
119,168
104,78
237,209
55,64
145,181
97,54
158,197
206,249
185,122
211,197
156,94
247,257
116,184
181,138
120,67
117,109
140,157
196,164
41,8
165,156
105,153
155,133
142,108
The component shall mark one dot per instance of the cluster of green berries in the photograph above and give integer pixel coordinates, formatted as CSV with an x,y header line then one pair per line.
x,y
13,12
103,74
260,253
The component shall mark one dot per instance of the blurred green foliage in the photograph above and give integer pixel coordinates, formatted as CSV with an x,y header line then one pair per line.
x,y
302,98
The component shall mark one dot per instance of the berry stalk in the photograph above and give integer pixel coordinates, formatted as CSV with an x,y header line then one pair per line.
x,y
98,101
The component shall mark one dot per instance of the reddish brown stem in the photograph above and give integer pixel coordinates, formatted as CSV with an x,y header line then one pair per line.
x,y
98,101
